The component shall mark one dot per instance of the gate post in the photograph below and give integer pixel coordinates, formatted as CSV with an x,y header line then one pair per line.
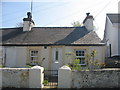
x,y
64,77
36,77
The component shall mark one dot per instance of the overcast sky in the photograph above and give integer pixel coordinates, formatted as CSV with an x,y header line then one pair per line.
x,y
49,13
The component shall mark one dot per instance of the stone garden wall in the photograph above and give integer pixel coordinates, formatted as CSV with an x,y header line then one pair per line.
x,y
103,78
22,77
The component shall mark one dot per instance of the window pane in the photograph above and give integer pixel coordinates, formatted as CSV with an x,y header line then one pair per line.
x,y
56,55
76,52
80,54
34,55
32,58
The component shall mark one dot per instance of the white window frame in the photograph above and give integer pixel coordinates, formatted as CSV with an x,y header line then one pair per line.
x,y
33,56
80,56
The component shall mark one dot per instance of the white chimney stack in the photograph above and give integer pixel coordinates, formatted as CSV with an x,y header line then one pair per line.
x,y
28,23
88,22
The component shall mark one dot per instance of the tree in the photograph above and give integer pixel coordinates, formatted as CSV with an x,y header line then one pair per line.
x,y
76,24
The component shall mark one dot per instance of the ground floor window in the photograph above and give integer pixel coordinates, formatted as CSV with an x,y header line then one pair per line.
x,y
33,56
80,54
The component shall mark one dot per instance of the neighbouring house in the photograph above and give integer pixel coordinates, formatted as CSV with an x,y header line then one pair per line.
x,y
112,35
48,45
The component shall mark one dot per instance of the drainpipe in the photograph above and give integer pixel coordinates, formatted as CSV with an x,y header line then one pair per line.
x,y
110,49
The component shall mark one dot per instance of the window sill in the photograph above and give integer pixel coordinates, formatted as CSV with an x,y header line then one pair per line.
x,y
56,62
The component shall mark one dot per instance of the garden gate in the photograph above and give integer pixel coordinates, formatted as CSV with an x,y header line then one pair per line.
x,y
51,78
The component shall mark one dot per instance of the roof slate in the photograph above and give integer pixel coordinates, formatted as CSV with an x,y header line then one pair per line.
x,y
50,35
114,18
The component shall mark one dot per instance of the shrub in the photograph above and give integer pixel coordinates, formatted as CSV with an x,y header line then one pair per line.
x,y
45,82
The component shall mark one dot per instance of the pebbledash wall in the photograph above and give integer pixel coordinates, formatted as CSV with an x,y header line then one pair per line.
x,y
102,78
22,77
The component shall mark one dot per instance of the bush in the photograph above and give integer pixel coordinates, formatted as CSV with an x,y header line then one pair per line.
x,y
1,66
45,82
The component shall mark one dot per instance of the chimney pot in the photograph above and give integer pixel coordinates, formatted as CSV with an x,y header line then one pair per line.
x,y
29,15
88,14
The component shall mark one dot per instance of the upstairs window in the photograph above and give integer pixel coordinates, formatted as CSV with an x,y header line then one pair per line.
x,y
80,54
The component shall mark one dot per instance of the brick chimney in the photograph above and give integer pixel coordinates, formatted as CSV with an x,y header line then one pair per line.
x,y
88,22
28,23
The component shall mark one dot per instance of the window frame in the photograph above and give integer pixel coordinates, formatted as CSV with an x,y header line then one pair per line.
x,y
35,55
76,57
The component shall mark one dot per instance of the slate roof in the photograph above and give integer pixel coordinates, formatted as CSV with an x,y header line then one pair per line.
x,y
114,18
50,36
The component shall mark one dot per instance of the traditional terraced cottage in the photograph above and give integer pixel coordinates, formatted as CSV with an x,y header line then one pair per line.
x,y
48,46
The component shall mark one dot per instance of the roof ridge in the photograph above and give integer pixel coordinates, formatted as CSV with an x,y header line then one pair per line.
x,y
40,27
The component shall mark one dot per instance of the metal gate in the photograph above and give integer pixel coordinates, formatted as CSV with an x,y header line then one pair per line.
x,y
51,78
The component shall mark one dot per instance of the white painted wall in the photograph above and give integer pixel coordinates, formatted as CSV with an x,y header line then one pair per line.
x,y
119,39
10,57
22,77
111,35
100,52
68,58
21,55
15,56
27,25
89,24
64,77
100,55
36,77
45,54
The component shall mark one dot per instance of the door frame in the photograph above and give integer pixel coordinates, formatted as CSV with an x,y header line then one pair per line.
x,y
56,64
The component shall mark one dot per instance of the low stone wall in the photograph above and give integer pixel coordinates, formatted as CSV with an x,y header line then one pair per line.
x,y
22,77
103,78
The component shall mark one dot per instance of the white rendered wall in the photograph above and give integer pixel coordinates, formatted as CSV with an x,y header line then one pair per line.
x,y
118,25
21,54
64,77
10,57
26,26
15,56
100,52
44,53
36,77
22,77
89,24
112,37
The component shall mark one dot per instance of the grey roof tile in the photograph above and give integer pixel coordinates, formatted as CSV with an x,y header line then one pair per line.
x,y
50,35
114,18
